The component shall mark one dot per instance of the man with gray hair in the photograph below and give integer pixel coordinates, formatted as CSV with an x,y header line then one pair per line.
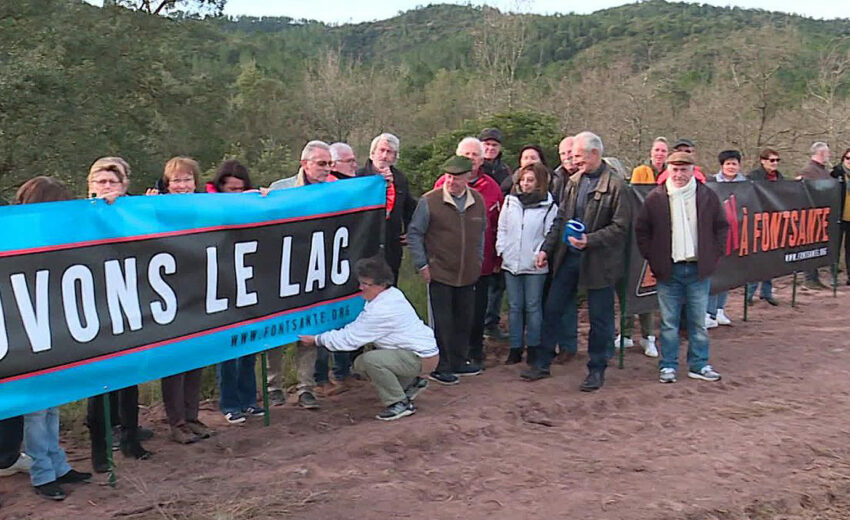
x,y
592,259
315,169
344,161
815,169
383,154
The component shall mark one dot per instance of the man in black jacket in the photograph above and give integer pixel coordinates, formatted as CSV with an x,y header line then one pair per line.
x,y
383,153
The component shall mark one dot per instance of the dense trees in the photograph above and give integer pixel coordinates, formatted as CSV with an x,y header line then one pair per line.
x,y
78,82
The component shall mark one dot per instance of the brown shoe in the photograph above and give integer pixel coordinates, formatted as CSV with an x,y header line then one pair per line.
x,y
200,429
183,435
337,387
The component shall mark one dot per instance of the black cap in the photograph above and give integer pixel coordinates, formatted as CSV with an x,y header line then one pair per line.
x,y
457,165
490,134
684,142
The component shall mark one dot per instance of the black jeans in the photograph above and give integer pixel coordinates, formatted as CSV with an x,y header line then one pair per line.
x,y
123,410
11,437
600,304
845,235
495,295
451,310
476,334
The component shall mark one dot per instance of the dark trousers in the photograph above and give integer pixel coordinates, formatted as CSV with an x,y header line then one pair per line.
x,y
180,394
600,303
476,332
237,384
451,310
495,295
11,437
341,368
845,235
123,410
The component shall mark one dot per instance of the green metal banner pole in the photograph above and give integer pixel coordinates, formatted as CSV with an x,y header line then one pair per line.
x,y
264,372
794,291
107,427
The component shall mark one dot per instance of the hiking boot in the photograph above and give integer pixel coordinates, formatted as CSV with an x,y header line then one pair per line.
x,y
415,388
131,447
667,375
444,378
514,356
51,491
73,477
22,464
649,347
277,397
468,369
814,285
397,411
706,373
183,435
235,417
593,381
200,429
534,373
308,401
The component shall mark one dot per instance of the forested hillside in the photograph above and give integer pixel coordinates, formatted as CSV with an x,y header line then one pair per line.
x,y
78,82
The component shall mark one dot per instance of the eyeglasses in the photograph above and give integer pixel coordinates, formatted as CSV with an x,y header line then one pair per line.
x,y
351,160
774,159
847,157
321,164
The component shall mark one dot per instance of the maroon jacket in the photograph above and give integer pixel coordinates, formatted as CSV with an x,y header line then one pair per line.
x,y
653,231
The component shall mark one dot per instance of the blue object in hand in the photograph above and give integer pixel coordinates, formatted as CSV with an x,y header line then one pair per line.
x,y
574,228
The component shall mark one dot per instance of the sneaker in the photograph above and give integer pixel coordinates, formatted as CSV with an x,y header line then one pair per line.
x,y
51,491
710,323
183,435
22,465
308,401
627,342
397,411
444,378
200,429
73,477
235,417
814,285
277,397
255,411
722,318
468,369
706,374
649,347
415,388
667,375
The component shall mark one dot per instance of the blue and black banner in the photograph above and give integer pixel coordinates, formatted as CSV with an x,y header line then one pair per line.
x,y
96,297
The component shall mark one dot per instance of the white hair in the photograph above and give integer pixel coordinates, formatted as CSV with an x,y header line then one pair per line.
x,y
589,141
337,148
311,147
818,146
468,140
389,138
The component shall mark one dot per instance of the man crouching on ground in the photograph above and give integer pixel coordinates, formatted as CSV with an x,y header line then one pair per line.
x,y
405,347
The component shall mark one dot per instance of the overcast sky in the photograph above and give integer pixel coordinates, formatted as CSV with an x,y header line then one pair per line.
x,y
346,11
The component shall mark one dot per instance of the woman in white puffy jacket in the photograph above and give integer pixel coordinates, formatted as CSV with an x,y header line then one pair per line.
x,y
525,219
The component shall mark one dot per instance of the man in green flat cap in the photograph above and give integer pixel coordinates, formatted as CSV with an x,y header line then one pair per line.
x,y
446,240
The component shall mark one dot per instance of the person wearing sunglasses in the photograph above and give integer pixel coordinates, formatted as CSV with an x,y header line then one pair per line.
x,y
315,168
768,171
841,171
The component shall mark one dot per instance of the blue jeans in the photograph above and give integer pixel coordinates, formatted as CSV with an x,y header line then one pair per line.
x,y
766,289
684,288
525,307
342,365
237,384
716,301
41,441
561,300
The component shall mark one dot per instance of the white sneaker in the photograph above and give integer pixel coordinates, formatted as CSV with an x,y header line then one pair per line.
x,y
627,342
706,374
649,348
22,465
710,323
667,375
722,318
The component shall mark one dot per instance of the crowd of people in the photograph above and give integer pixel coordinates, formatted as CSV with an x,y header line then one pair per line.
x,y
538,234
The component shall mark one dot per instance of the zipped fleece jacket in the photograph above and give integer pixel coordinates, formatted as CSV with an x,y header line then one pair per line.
x,y
522,231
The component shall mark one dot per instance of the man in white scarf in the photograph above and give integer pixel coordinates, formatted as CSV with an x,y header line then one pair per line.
x,y
680,230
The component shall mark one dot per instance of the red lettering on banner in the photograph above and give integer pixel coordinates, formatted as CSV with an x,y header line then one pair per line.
x,y
731,208
745,240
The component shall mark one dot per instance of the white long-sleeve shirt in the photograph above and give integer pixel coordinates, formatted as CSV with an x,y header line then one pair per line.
x,y
388,321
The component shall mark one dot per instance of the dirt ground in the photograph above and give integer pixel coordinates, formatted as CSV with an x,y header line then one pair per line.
x,y
770,441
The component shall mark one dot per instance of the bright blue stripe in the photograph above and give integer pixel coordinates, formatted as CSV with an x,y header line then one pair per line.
x,y
43,391
54,223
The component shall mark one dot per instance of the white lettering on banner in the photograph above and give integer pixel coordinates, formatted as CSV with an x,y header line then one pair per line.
x,y
122,293
286,287
214,303
35,317
165,311
340,270
4,339
316,265
72,275
244,273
